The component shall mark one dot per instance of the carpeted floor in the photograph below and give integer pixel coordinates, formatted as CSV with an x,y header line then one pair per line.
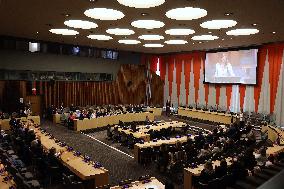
x,y
120,165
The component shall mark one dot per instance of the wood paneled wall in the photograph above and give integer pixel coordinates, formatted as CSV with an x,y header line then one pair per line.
x,y
128,88
10,93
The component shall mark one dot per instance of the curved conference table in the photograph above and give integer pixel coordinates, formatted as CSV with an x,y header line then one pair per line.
x,y
216,117
154,110
273,133
80,125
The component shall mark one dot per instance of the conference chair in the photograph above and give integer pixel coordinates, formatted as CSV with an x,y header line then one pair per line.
x,y
70,182
103,187
123,139
131,141
109,133
33,184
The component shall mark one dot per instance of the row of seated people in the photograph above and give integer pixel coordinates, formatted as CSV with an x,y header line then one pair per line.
x,y
212,108
44,165
29,163
90,113
23,110
247,165
94,111
126,140
129,140
172,158
22,113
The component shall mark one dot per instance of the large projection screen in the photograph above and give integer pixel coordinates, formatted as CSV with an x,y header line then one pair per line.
x,y
236,67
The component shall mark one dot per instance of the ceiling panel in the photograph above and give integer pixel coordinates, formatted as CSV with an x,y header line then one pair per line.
x,y
26,18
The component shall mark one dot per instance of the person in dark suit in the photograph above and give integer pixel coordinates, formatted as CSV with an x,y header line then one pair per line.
x,y
207,173
51,158
163,158
221,170
168,108
72,108
199,140
13,123
238,168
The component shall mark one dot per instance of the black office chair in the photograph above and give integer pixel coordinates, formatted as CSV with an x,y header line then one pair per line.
x,y
33,184
131,141
19,180
109,133
70,182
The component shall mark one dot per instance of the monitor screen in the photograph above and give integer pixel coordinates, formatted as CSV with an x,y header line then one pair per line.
x,y
231,67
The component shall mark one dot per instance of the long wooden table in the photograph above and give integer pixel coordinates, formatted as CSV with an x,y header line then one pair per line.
x,y
86,171
155,184
273,133
274,150
5,184
4,123
190,172
85,124
143,129
156,111
206,115
138,147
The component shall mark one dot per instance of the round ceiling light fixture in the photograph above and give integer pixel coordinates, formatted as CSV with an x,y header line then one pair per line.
x,y
100,37
218,24
180,31
186,13
243,31
64,31
141,3
147,24
153,45
151,37
204,37
82,24
120,31
176,42
129,41
104,14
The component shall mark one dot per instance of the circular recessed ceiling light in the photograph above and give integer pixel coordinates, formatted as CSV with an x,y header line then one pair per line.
x,y
100,37
204,37
80,24
104,14
179,31
129,41
228,14
151,37
218,24
176,42
248,31
120,31
141,4
64,31
153,45
147,24
186,13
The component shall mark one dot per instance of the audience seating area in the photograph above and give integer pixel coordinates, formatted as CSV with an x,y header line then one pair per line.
x,y
228,155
